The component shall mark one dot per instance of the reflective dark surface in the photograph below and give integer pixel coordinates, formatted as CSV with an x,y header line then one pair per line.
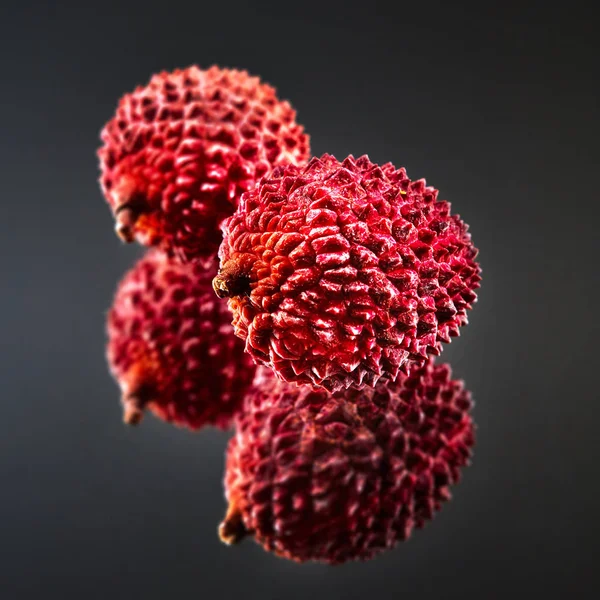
x,y
497,108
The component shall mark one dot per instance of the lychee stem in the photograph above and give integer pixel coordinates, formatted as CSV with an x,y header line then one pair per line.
x,y
232,529
228,284
220,286
133,409
125,219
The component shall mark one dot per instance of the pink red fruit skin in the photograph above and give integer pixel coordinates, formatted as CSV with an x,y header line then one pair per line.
x,y
179,152
341,273
171,346
326,477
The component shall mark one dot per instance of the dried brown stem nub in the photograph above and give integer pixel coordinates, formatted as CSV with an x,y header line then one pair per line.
x,y
231,285
125,219
232,529
133,410
220,286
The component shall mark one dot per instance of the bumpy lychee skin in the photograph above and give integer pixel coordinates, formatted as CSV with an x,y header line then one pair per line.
x,y
341,273
179,152
171,346
337,477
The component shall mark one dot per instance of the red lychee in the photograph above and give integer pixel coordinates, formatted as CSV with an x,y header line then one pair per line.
x,y
171,346
344,476
179,152
341,273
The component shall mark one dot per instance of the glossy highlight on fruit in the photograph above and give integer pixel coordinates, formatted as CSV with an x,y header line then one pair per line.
x,y
341,273
171,346
314,476
179,152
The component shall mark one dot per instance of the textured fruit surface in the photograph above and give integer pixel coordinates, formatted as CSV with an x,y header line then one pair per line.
x,y
341,273
179,152
343,476
171,346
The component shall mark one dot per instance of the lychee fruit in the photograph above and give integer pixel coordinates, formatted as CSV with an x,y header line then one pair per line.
x,y
179,152
314,476
171,346
339,274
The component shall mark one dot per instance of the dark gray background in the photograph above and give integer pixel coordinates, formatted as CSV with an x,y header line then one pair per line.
x,y
496,106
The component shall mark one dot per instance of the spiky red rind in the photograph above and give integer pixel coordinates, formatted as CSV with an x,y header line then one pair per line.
x,y
341,273
337,477
171,346
180,151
